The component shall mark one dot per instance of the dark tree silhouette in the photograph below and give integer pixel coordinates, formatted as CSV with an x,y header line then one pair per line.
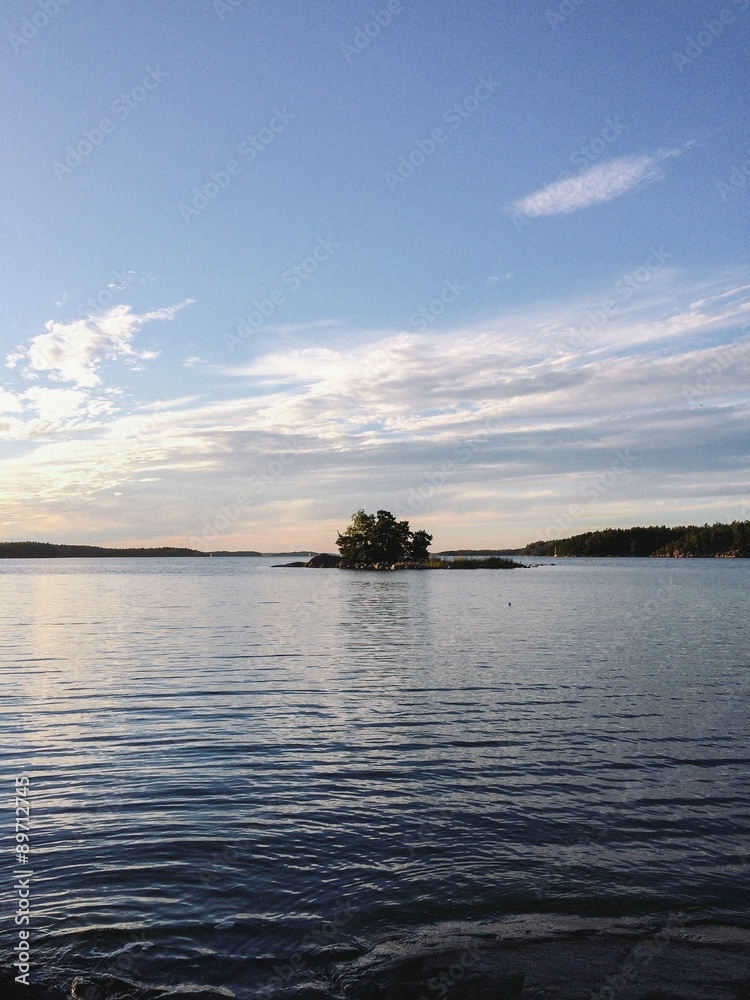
x,y
380,538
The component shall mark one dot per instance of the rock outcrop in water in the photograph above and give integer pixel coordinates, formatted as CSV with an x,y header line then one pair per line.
x,y
87,989
324,560
327,561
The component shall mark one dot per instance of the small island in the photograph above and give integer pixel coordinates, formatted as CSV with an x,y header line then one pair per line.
x,y
380,542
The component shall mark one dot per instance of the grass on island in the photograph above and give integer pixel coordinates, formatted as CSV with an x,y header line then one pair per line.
x,y
491,562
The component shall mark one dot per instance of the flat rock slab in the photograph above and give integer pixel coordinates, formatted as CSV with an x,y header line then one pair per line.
x,y
456,973
531,958
568,960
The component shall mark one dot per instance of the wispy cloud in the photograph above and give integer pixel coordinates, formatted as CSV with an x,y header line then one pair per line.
x,y
9,402
517,423
73,352
592,186
58,406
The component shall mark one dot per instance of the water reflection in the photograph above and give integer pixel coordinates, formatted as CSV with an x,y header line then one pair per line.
x,y
221,750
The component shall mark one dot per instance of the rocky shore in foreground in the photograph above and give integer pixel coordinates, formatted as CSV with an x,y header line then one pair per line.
x,y
670,956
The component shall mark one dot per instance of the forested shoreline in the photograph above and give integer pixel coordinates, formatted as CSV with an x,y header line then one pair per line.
x,y
722,541
727,541
50,550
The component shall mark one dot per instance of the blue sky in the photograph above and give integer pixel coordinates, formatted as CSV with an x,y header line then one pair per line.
x,y
485,266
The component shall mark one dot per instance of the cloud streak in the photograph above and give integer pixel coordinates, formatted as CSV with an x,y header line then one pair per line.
x,y
74,352
490,426
592,186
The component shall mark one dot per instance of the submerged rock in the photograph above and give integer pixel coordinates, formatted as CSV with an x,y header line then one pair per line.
x,y
87,989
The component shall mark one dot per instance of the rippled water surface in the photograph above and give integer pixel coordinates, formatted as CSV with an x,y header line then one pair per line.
x,y
247,781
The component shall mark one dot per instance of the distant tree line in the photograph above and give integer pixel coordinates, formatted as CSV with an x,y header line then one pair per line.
x,y
479,552
49,550
710,540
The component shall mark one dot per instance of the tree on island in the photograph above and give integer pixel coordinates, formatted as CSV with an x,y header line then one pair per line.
x,y
380,538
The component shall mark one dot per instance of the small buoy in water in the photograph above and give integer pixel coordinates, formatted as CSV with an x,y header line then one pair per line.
x,y
508,603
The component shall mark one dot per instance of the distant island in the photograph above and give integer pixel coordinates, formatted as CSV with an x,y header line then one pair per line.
x,y
479,552
370,542
326,560
717,541
49,550
380,542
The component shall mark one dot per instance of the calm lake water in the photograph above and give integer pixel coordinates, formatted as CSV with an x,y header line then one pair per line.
x,y
257,782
